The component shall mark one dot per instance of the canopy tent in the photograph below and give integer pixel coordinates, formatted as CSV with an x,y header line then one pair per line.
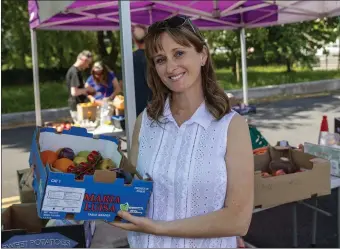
x,y
208,15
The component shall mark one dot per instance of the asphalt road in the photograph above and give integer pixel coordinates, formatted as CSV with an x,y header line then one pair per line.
x,y
296,121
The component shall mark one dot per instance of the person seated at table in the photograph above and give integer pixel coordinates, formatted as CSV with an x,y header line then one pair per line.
x,y
103,82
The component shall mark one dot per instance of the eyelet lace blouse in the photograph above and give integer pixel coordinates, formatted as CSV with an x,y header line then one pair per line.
x,y
189,172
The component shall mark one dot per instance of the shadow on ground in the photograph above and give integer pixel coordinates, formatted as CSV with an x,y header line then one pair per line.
x,y
290,114
18,138
272,228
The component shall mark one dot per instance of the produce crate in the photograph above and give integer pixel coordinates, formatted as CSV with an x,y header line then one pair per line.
x,y
337,125
257,140
87,111
310,179
60,195
23,228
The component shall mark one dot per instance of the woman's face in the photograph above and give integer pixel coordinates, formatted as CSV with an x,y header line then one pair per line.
x,y
178,67
98,75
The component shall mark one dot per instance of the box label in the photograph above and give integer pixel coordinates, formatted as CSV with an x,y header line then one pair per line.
x,y
39,240
64,199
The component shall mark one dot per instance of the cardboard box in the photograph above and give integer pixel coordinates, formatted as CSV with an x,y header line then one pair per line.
x,y
98,196
332,154
23,228
26,193
232,100
86,112
278,190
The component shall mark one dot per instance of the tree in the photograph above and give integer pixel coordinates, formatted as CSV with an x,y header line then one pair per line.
x,y
229,41
14,33
109,47
298,42
56,49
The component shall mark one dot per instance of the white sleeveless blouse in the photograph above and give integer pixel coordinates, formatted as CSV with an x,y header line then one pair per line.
x,y
189,172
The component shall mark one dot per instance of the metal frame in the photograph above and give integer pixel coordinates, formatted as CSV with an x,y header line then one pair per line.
x,y
36,77
316,210
128,73
244,65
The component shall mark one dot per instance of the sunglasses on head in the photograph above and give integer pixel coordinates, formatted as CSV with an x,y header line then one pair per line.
x,y
173,23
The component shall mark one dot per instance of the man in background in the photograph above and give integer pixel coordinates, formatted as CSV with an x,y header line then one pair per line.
x,y
142,91
75,83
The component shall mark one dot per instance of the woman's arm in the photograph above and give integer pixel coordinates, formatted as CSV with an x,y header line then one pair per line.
x,y
234,219
88,86
90,90
117,88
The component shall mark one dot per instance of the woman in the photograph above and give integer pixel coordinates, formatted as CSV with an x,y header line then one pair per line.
x,y
103,83
197,151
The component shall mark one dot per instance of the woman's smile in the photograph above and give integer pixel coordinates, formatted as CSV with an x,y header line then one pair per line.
x,y
176,77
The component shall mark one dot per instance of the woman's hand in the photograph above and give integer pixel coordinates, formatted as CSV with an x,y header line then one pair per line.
x,y
89,89
91,98
137,224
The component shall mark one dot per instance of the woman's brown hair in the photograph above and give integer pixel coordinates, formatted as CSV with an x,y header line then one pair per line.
x,y
186,35
100,66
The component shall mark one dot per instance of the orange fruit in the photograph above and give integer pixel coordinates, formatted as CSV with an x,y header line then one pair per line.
x,y
62,164
48,156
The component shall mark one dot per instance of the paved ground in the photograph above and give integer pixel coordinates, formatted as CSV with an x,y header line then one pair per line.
x,y
294,120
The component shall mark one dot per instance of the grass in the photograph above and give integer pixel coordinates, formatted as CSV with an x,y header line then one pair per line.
x,y
273,75
54,94
21,98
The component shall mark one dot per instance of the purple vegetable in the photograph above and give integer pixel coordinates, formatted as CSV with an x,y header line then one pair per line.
x,y
66,153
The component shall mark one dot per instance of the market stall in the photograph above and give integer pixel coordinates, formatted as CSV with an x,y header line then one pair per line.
x,y
105,15
208,15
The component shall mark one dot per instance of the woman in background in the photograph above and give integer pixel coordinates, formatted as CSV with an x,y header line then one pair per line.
x,y
103,82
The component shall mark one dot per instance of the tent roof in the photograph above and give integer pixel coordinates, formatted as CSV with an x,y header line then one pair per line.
x,y
208,15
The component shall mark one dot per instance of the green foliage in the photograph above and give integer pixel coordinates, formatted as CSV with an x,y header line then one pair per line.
x,y
273,75
21,98
286,44
14,34
56,49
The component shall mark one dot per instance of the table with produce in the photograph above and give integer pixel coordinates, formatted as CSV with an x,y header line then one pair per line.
x,y
105,117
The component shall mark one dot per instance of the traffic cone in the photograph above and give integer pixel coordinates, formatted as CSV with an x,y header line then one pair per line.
x,y
324,124
323,127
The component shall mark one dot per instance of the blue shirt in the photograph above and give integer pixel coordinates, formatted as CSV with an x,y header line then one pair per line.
x,y
101,90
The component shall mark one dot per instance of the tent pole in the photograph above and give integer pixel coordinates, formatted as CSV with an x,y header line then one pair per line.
x,y
244,65
128,72
35,67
